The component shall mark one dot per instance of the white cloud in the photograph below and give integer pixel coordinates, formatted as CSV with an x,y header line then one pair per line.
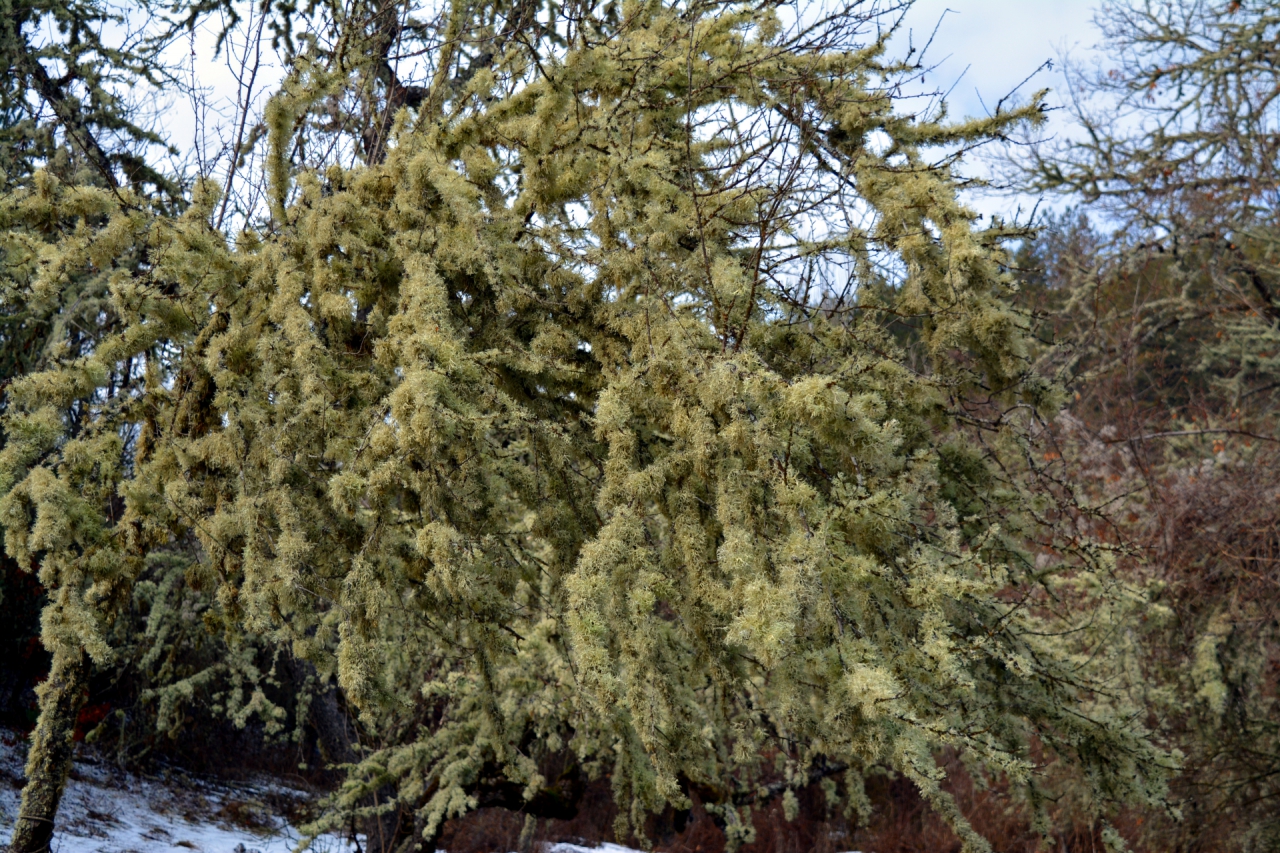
x,y
984,49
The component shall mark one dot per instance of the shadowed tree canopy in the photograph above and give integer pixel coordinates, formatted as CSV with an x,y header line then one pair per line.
x,y
650,407
1170,330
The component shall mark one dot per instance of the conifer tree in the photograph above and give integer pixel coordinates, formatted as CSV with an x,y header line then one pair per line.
x,y
75,142
648,406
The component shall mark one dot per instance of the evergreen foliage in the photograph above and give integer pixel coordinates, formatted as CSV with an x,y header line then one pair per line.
x,y
648,406
71,65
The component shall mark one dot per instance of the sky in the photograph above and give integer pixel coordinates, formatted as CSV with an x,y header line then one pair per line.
x,y
986,48
983,49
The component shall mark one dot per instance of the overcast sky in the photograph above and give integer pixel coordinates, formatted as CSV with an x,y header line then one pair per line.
x,y
986,47
983,49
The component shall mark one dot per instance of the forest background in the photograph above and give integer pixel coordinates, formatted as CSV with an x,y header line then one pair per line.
x,y
523,421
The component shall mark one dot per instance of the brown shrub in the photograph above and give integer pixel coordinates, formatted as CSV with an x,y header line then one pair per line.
x,y
901,822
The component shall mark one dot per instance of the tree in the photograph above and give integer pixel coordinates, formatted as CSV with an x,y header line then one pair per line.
x,y
61,111
1189,172
649,406
1169,331
69,93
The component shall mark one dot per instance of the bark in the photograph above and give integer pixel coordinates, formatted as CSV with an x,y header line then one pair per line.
x,y
333,730
417,841
336,740
52,746
68,113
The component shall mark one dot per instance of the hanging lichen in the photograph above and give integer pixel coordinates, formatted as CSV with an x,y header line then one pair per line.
x,y
653,405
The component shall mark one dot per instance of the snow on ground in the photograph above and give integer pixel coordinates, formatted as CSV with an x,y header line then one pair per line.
x,y
107,811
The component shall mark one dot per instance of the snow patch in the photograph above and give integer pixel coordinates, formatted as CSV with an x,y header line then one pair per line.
x,y
577,848
105,810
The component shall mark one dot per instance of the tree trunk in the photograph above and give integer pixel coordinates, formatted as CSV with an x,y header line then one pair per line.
x,y
335,737
52,747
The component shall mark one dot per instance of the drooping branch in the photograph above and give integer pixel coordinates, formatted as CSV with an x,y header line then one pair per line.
x,y
67,112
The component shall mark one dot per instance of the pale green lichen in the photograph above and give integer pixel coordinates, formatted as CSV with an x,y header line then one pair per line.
x,y
530,435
